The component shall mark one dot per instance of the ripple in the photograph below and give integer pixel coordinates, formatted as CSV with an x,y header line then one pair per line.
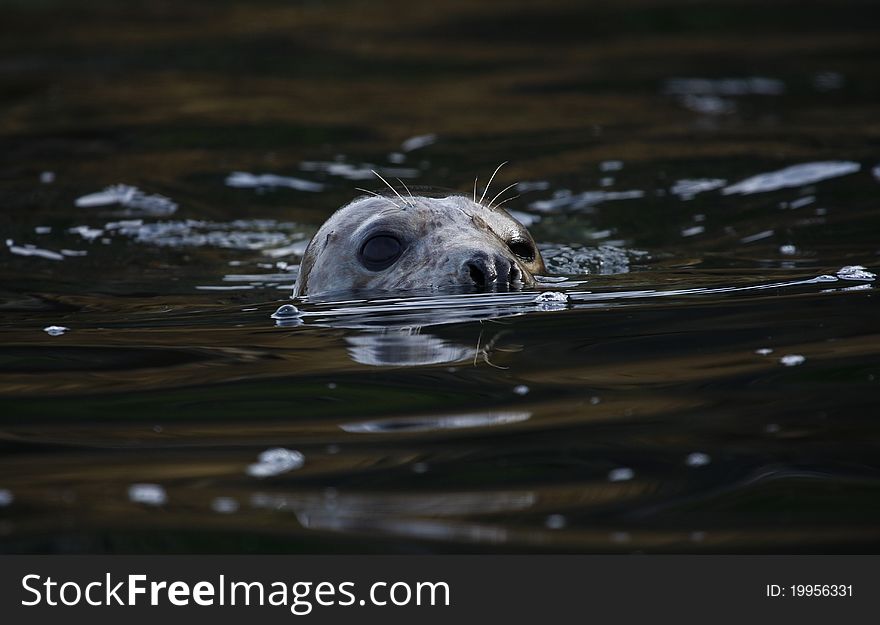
x,y
753,85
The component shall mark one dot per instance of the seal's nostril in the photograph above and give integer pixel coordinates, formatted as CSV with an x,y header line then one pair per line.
x,y
477,274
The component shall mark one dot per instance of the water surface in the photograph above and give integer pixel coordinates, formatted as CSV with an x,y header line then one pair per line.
x,y
698,374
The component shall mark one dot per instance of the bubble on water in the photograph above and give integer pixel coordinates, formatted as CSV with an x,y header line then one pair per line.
x,y
692,231
764,351
855,272
621,474
55,330
276,461
285,311
794,176
521,389
595,401
331,385
147,494
697,459
697,537
245,180
47,177
6,497
43,229
287,316
420,467
876,172
555,522
224,505
787,250
792,360
772,428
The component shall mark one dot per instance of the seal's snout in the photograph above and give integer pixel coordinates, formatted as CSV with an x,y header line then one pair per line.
x,y
492,271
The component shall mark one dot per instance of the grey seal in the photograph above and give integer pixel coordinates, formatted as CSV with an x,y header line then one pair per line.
x,y
386,244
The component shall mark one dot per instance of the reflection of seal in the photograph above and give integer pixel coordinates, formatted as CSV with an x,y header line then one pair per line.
x,y
380,243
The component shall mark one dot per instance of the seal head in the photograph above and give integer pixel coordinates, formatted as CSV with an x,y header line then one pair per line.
x,y
377,244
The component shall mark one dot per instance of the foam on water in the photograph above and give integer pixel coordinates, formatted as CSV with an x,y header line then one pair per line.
x,y
147,494
565,200
855,272
245,180
688,188
276,461
571,260
130,198
794,176
753,85
429,424
361,171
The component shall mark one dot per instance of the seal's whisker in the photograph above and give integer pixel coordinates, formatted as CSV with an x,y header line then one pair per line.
x,y
513,197
407,189
510,186
486,190
479,339
378,175
475,188
380,196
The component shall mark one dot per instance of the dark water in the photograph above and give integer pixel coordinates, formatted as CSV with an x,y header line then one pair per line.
x,y
705,175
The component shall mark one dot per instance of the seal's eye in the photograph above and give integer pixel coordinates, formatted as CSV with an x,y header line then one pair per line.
x,y
380,252
524,249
